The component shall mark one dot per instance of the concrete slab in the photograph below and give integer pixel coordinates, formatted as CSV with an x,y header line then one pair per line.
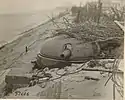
x,y
18,76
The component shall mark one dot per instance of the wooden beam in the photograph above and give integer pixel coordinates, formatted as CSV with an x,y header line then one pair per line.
x,y
104,70
119,25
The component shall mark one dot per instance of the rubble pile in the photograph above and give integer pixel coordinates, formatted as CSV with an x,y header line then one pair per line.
x,y
90,31
90,22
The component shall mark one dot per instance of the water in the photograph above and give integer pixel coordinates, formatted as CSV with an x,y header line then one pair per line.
x,y
12,25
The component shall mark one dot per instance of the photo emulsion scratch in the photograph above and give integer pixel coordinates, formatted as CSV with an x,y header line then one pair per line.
x,y
62,49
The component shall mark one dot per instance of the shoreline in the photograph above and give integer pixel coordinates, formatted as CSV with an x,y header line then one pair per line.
x,y
21,34
25,32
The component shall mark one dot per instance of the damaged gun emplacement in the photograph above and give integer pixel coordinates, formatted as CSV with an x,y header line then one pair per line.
x,y
62,52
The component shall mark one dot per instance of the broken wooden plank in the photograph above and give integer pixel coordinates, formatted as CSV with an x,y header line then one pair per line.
x,y
103,70
120,26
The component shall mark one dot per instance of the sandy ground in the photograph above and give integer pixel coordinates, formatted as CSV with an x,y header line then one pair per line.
x,y
73,86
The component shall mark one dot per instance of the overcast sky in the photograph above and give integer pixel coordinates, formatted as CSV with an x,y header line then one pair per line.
x,y
11,6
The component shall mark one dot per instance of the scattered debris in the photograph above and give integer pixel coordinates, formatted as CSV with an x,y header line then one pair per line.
x,y
2,47
26,49
91,78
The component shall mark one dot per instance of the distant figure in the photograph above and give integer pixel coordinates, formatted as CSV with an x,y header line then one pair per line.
x,y
26,49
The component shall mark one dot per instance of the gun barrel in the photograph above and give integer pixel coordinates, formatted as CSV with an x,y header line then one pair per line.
x,y
66,54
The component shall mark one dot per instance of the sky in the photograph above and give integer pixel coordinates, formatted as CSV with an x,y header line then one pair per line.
x,y
14,6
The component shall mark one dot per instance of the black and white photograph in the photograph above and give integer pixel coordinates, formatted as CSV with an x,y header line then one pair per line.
x,y
62,49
